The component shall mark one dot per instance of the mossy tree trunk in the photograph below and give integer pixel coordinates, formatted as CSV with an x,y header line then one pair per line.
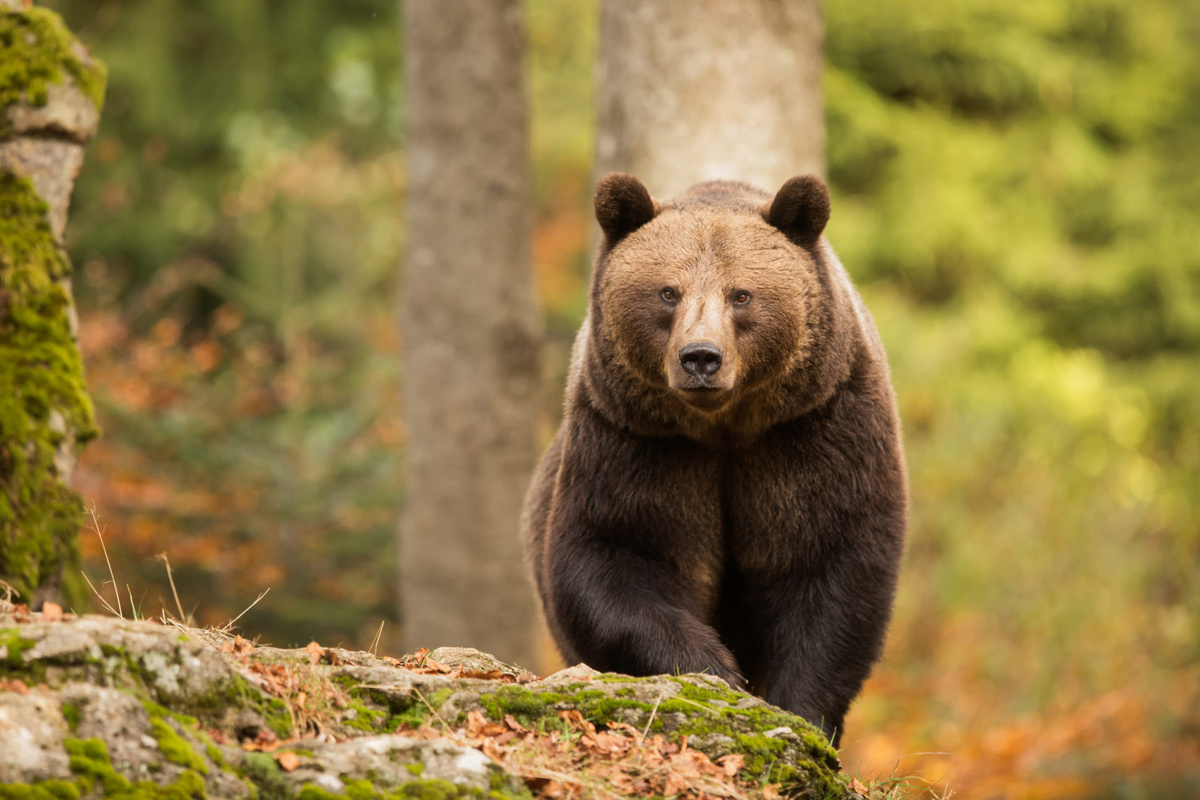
x,y
50,96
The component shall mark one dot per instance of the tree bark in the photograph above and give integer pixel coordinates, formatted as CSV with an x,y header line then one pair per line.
x,y
716,89
471,330
50,96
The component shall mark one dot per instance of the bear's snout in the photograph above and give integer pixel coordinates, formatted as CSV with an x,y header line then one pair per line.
x,y
701,360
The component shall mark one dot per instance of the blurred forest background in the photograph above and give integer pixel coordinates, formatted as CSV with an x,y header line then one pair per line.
x,y
1016,191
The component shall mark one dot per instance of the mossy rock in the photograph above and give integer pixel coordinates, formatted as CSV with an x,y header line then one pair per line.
x,y
132,708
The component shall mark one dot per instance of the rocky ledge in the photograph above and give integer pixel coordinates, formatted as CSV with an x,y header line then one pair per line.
x,y
104,707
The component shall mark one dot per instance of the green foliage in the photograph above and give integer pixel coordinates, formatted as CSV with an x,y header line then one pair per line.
x,y
39,515
1017,190
247,169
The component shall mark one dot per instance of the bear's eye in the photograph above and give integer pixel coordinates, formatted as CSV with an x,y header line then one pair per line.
x,y
740,298
668,295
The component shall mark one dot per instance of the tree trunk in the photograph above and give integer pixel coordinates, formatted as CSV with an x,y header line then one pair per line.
x,y
717,90
50,96
471,330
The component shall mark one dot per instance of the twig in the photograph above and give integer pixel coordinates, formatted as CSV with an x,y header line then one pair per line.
x,y
375,642
111,610
111,574
229,624
651,721
432,710
178,605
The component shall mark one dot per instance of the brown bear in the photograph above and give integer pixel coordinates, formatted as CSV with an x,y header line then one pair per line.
x,y
727,492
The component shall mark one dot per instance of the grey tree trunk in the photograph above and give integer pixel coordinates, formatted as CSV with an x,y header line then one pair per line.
x,y
710,89
50,96
471,330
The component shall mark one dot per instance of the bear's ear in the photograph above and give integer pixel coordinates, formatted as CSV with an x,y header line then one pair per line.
x,y
622,206
800,209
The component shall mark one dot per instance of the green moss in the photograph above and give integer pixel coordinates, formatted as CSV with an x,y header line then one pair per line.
x,y
38,51
366,718
361,790
416,768
266,776
216,756
413,790
47,790
312,792
44,401
91,765
176,748
13,647
707,710
434,790
72,715
89,760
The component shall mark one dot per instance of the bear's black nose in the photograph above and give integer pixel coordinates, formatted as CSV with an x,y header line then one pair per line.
x,y
701,359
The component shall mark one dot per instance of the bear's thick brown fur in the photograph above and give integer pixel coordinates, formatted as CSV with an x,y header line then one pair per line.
x,y
727,491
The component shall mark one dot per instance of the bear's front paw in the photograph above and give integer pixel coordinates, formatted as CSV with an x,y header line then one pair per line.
x,y
727,670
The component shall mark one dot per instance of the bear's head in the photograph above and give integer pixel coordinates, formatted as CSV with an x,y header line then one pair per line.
x,y
717,295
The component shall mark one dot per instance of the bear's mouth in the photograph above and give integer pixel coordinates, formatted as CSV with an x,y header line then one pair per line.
x,y
704,396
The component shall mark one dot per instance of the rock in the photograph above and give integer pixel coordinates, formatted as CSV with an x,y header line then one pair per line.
x,y
103,704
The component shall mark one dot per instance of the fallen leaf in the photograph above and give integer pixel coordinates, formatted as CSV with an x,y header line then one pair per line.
x,y
52,612
857,786
732,763
675,785
314,651
492,750
287,760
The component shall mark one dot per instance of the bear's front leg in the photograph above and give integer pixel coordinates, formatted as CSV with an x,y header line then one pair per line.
x,y
818,518
826,634
623,611
633,553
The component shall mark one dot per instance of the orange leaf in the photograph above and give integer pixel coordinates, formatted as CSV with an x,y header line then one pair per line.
x,y
287,760
675,785
315,651
52,612
732,763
